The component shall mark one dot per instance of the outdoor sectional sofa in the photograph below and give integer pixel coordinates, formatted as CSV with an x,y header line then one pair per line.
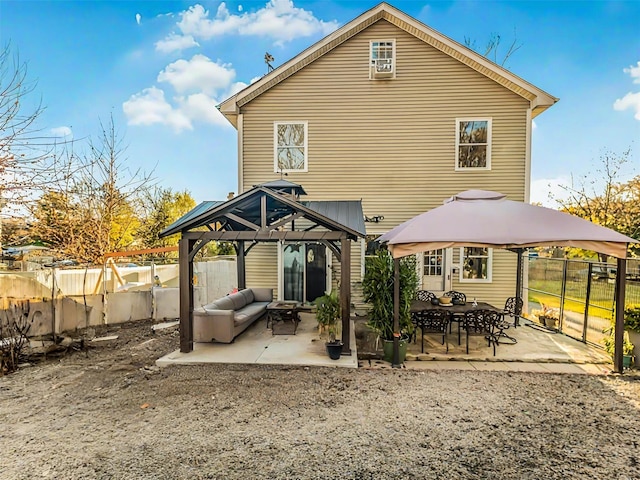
x,y
226,318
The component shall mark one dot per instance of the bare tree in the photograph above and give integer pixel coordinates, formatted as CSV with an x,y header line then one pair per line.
x,y
26,153
603,197
491,49
95,204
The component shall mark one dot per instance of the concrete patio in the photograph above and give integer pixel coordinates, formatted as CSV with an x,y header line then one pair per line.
x,y
535,344
537,350
258,345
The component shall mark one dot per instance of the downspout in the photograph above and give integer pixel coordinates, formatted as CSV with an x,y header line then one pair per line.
x,y
523,275
240,123
527,157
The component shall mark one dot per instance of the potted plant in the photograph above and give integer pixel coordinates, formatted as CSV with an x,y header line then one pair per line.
x,y
377,289
328,314
627,346
547,316
632,325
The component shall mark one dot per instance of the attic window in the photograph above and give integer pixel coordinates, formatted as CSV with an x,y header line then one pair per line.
x,y
383,56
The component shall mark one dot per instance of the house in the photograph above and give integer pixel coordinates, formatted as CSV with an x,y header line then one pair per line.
x,y
393,113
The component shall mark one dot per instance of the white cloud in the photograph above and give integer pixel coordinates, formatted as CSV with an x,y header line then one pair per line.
x,y
175,42
634,72
62,132
545,191
138,18
630,100
534,125
150,107
278,19
239,8
201,107
197,74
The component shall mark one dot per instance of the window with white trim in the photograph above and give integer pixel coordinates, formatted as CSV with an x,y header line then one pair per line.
x,y
383,55
476,264
473,144
290,145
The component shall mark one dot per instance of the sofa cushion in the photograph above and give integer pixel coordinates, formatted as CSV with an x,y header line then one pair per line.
x,y
240,318
253,309
238,300
224,303
248,295
261,294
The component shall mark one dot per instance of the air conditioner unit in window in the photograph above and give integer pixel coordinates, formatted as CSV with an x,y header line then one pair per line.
x,y
382,68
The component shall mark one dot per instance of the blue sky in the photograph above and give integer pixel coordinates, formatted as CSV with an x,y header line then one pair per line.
x,y
160,67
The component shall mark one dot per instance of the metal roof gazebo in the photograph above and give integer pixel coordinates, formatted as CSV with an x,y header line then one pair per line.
x,y
270,212
479,218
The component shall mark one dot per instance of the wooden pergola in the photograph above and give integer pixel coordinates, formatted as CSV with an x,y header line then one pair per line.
x,y
271,212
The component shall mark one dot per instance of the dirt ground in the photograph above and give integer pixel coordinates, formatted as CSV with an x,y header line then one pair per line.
x,y
109,413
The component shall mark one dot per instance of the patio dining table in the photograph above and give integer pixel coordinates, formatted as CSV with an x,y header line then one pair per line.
x,y
456,313
420,306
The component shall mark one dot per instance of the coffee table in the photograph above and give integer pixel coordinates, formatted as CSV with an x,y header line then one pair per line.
x,y
283,317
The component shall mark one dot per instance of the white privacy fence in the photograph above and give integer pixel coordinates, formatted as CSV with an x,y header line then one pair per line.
x,y
60,300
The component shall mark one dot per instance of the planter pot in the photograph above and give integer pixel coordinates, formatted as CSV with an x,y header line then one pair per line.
x,y
387,346
550,322
626,361
334,349
635,339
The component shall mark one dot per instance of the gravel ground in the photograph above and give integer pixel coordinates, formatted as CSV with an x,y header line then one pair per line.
x,y
108,413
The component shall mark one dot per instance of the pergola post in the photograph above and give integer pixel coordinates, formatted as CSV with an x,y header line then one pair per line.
x,y
621,275
345,293
186,294
240,265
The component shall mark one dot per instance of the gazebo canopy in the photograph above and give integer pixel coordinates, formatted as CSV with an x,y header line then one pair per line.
x,y
480,218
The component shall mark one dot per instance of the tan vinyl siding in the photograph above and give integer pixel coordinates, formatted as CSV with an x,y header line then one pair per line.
x,y
390,143
262,267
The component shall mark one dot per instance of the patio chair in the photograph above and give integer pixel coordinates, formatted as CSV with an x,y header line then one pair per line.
x,y
513,308
431,321
459,296
479,322
497,326
425,296
456,317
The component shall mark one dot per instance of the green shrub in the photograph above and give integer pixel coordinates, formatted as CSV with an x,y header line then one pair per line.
x,y
328,312
377,288
632,318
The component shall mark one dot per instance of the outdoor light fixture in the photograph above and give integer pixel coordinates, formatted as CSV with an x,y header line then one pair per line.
x,y
374,219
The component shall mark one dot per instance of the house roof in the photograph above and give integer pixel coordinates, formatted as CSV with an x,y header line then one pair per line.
x,y
245,211
284,185
539,99
192,214
346,212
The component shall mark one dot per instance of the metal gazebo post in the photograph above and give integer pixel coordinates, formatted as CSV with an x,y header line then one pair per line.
x,y
519,251
396,313
621,275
